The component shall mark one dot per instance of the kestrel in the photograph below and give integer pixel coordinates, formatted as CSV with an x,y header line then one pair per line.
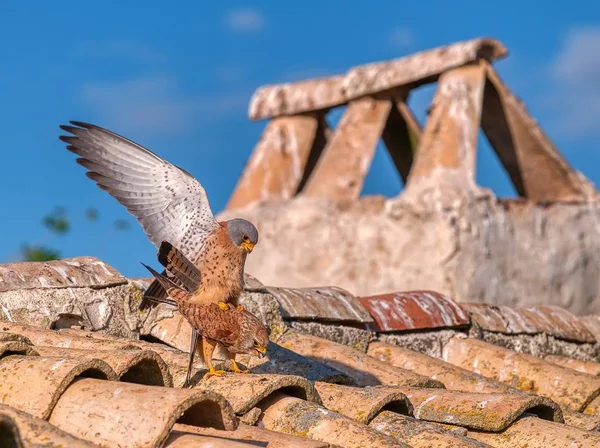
x,y
239,331
170,205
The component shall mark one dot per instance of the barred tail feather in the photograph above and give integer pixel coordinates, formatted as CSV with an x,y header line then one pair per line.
x,y
179,266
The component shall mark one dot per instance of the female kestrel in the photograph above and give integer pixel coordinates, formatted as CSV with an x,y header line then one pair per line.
x,y
235,328
171,205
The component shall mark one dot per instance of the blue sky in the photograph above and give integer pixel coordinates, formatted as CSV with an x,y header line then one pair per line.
x,y
178,80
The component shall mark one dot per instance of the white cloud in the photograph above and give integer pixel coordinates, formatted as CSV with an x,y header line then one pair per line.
x,y
402,37
155,105
245,20
576,74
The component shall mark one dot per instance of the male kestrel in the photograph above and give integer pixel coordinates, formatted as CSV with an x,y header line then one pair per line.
x,y
171,205
235,328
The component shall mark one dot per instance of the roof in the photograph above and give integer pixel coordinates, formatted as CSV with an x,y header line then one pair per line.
x,y
368,380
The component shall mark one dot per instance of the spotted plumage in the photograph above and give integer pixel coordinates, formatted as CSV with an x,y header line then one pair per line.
x,y
170,205
239,331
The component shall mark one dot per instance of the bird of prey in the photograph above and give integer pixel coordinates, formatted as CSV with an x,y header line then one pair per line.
x,y
170,205
239,331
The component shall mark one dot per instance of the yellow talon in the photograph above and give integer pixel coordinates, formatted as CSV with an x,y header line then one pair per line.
x,y
212,372
224,306
236,369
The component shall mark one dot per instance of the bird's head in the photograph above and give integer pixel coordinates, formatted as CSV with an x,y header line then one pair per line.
x,y
254,338
243,234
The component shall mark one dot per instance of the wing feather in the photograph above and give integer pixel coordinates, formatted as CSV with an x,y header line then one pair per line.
x,y
168,202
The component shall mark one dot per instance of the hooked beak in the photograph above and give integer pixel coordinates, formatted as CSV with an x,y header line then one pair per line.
x,y
248,247
260,352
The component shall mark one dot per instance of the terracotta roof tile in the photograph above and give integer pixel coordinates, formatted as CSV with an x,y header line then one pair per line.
x,y
453,377
294,416
134,366
551,320
75,272
569,388
592,368
362,403
364,369
582,421
558,322
53,338
534,432
244,392
34,384
593,408
327,303
414,310
145,414
15,348
420,434
486,412
263,436
178,439
29,431
592,323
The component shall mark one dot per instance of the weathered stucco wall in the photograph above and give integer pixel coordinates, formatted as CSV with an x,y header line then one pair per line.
x,y
510,252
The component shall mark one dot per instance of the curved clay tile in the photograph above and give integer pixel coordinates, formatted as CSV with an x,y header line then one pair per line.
x,y
324,304
10,436
362,403
263,437
8,348
591,368
582,421
486,412
35,383
533,432
420,434
414,310
5,336
178,439
132,366
245,392
453,377
592,323
35,432
292,415
142,415
364,369
53,338
280,360
569,388
593,407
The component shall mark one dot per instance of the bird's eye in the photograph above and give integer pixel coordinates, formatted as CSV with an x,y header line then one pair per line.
x,y
245,238
256,344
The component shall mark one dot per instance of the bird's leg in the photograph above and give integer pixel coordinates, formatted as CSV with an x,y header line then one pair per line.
x,y
235,368
208,347
193,342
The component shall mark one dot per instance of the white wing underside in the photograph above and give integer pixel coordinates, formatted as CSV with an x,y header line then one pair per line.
x,y
169,203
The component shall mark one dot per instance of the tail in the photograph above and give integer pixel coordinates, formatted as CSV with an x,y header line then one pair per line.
x,y
156,294
179,266
179,269
173,290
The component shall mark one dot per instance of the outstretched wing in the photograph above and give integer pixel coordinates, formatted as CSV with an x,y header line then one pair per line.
x,y
168,202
